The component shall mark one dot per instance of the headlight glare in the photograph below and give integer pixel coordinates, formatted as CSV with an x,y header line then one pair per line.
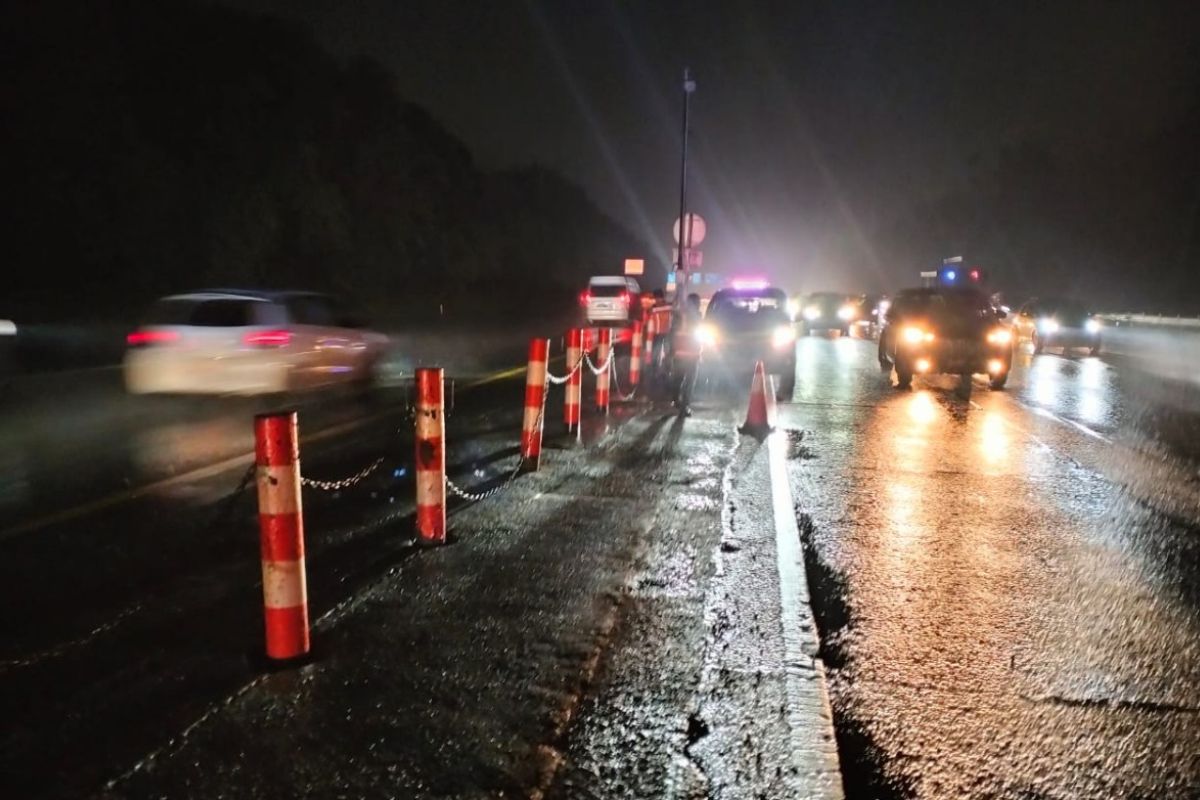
x,y
812,312
999,336
846,312
1093,326
783,336
914,335
706,334
1048,325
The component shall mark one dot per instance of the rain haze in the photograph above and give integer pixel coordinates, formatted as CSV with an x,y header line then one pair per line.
x,y
837,145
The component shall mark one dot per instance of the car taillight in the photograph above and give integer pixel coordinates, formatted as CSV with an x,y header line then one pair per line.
x,y
624,298
267,338
584,297
144,338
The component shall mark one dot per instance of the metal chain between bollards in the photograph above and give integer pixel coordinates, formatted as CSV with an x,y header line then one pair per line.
x,y
557,381
475,497
597,370
344,483
65,647
625,398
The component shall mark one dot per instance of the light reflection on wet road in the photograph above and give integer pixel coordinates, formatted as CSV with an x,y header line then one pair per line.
x,y
1006,614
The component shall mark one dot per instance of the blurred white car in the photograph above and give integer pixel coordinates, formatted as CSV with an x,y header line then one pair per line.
x,y
230,341
612,299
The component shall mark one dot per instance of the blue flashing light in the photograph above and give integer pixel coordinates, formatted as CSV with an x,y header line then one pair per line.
x,y
951,276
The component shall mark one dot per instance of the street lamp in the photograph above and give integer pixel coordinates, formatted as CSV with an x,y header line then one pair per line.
x,y
685,232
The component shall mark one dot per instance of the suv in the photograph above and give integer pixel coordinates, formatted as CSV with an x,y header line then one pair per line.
x,y
611,300
233,341
945,330
742,326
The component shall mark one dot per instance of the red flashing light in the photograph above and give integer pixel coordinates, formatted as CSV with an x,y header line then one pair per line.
x,y
143,338
975,275
279,338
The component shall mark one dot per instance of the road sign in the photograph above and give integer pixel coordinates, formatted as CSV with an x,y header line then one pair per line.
x,y
692,258
697,227
634,266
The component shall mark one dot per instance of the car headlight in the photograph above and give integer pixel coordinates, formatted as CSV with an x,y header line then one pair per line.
x,y
812,312
793,308
706,334
914,335
999,336
846,312
783,336
1048,325
1092,325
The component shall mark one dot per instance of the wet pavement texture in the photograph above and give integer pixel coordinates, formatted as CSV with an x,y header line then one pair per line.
x,y
1007,585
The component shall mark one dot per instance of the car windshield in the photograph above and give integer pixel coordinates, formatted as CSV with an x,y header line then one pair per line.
x,y
215,313
1067,309
607,289
747,304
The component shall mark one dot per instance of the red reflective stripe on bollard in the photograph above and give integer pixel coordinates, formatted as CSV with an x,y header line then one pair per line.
x,y
275,441
287,632
430,457
279,538
635,355
281,535
535,395
575,381
602,356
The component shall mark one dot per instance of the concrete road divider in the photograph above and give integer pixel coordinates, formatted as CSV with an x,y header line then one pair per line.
x,y
535,403
431,456
281,528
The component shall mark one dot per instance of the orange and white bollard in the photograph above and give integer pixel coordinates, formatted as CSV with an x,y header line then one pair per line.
x,y
635,355
575,381
651,332
602,355
535,399
431,456
281,530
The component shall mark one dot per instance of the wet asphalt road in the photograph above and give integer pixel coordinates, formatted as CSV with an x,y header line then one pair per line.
x,y
1007,586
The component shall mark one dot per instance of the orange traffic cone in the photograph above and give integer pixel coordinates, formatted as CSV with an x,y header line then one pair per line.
x,y
757,419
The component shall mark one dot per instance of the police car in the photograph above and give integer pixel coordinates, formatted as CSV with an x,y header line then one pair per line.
x,y
746,324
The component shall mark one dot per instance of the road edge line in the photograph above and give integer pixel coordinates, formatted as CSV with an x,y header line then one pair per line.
x,y
796,614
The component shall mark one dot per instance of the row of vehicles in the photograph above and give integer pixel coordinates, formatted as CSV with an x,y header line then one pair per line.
x,y
232,341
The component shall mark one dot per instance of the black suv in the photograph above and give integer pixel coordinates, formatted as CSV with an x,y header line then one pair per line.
x,y
742,326
945,330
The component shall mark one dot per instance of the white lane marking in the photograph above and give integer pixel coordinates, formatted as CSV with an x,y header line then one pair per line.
x,y
793,591
1079,426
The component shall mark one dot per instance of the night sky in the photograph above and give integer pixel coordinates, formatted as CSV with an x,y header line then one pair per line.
x,y
815,124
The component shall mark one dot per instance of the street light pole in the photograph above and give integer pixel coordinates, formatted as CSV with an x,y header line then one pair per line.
x,y
685,227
